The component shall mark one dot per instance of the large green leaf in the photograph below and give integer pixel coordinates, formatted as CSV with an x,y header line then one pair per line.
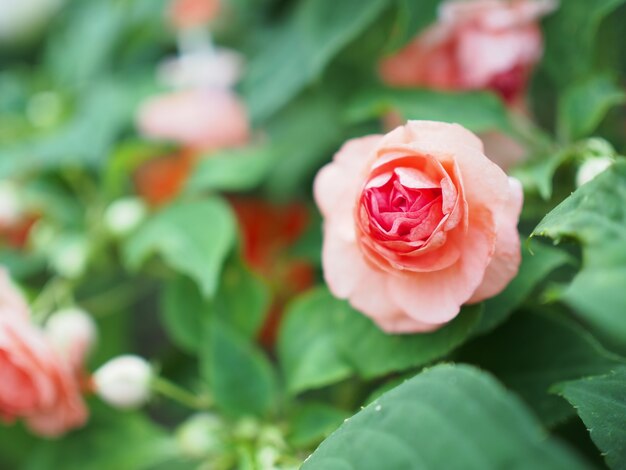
x,y
242,379
307,346
537,262
303,136
452,417
601,404
412,18
314,422
478,111
193,238
301,48
232,170
595,216
241,301
584,105
324,340
570,38
531,353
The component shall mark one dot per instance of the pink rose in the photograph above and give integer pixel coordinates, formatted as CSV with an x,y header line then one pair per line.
x,y
204,119
35,383
476,44
417,223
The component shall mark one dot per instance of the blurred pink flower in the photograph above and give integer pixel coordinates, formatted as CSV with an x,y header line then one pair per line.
x,y
203,119
35,383
192,13
417,223
476,44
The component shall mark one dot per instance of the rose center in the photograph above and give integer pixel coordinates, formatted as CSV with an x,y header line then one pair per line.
x,y
396,211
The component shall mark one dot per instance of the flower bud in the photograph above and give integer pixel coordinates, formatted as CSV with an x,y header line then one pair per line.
x,y
20,20
124,382
124,215
72,332
10,207
70,256
202,435
592,168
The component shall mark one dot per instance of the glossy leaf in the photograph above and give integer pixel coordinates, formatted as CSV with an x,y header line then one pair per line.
x,y
193,238
453,417
601,404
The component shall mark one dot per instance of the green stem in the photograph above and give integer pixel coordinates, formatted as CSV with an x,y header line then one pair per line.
x,y
174,392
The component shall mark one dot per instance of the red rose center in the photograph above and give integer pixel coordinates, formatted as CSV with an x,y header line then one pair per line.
x,y
396,211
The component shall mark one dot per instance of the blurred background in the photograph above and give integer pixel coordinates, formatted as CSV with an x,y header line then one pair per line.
x,y
157,158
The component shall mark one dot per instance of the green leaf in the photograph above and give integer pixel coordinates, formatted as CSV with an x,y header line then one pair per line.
x,y
241,301
601,404
85,140
374,353
412,18
241,377
193,238
232,170
531,353
307,347
323,340
478,111
583,106
537,262
184,313
314,422
452,417
301,48
312,119
570,35
595,216
121,441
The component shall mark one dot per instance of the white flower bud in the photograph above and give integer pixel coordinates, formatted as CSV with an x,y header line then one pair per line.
x,y
124,215
124,382
69,257
20,19
592,168
10,206
202,435
73,334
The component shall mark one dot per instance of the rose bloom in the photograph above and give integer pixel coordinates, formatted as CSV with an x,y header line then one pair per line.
x,y
36,384
417,223
192,13
476,44
202,119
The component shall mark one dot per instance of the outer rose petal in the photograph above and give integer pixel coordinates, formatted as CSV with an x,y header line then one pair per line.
x,y
506,259
337,185
203,119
